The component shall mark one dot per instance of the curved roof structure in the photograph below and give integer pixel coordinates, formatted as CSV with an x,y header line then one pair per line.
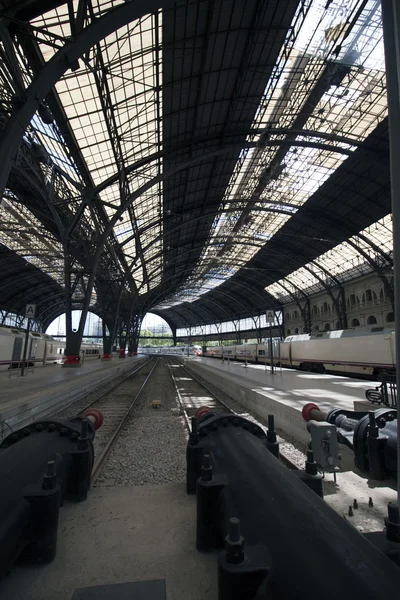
x,y
205,159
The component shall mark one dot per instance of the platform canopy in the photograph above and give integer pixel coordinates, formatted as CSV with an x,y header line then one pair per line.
x,y
203,159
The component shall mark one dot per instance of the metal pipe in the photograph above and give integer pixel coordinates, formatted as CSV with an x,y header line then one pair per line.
x,y
391,30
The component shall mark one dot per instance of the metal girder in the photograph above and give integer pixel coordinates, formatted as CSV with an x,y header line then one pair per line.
x,y
59,64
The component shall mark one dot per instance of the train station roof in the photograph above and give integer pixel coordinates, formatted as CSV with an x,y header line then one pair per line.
x,y
211,158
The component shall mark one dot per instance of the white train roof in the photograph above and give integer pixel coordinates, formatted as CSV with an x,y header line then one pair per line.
x,y
341,333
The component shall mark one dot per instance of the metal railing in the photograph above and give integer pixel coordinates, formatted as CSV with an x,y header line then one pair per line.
x,y
385,394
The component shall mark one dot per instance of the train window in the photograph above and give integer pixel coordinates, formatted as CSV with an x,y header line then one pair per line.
x,y
261,353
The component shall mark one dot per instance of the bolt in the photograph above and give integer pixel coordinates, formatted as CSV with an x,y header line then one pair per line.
x,y
271,422
235,422
234,544
39,427
311,465
83,438
355,503
234,529
52,427
49,479
194,424
393,513
84,428
392,523
351,514
63,431
51,465
26,432
194,434
271,433
206,469
370,502
225,422
14,437
373,429
74,436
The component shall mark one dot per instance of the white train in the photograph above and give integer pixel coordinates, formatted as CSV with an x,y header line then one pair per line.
x,y
362,351
42,348
175,350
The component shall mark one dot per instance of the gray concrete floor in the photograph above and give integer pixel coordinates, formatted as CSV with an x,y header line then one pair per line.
x,y
122,534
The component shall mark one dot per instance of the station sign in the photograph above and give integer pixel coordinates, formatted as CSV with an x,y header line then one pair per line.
x,y
30,311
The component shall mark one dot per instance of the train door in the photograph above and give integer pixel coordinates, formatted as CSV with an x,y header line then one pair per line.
x,y
17,349
33,349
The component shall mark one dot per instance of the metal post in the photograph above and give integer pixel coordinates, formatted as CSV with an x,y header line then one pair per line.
x,y
25,348
271,350
391,30
265,358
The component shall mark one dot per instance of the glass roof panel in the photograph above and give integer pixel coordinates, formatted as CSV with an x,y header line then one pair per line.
x,y
25,235
344,262
329,83
113,104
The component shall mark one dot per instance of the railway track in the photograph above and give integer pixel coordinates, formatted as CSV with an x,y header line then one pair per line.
x,y
193,394
116,404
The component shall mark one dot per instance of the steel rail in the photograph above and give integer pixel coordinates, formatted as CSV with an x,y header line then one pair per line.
x,y
181,403
112,388
98,463
282,456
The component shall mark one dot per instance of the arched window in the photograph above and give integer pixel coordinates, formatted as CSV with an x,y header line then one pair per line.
x,y
371,320
355,323
296,314
287,331
381,294
327,327
326,309
296,330
288,317
369,296
353,300
390,318
337,325
315,310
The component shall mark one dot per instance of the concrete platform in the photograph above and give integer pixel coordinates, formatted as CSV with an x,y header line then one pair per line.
x,y
283,393
123,534
25,399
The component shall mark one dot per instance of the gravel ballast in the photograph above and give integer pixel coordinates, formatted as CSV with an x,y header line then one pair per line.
x,y
151,448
